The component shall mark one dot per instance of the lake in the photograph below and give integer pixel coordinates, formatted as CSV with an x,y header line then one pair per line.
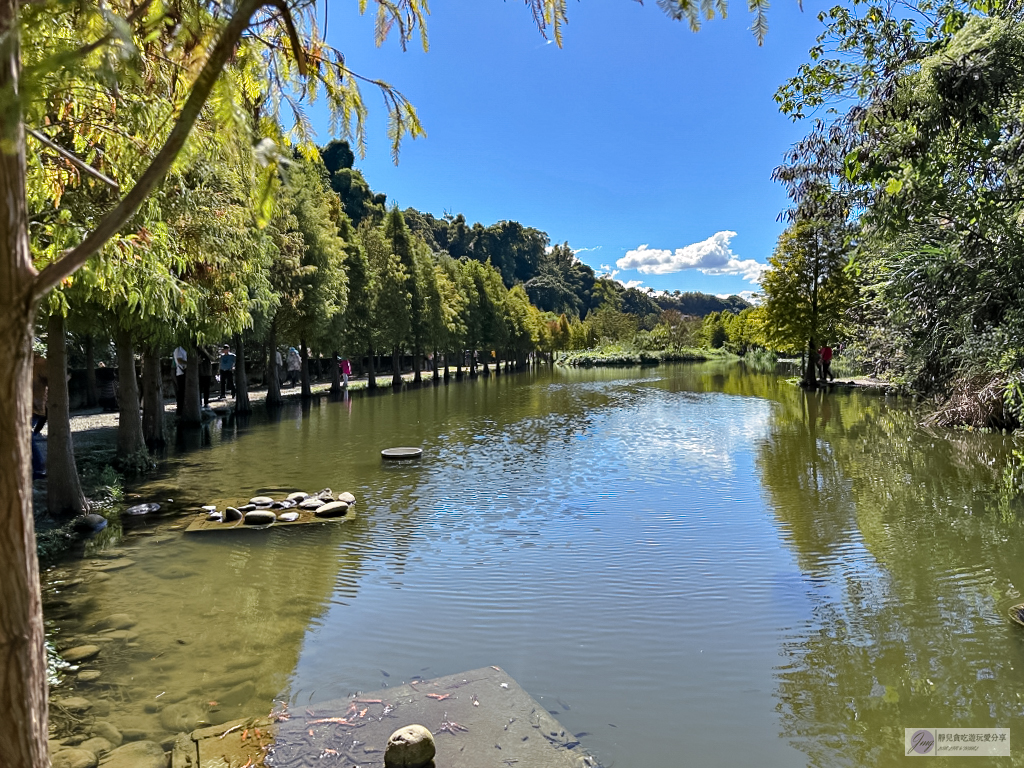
x,y
690,564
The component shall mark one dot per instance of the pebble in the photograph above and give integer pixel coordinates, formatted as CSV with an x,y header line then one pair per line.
x,y
288,517
74,758
259,517
137,754
80,653
89,675
410,747
261,501
333,509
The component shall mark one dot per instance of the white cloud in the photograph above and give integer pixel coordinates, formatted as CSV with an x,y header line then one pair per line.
x,y
578,251
606,267
631,284
712,257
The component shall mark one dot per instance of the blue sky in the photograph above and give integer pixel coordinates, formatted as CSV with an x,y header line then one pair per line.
x,y
646,147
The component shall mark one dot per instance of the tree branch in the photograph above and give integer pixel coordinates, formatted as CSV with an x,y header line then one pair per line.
x,y
51,275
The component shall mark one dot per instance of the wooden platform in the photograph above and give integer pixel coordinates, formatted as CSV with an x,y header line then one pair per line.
x,y
478,718
306,516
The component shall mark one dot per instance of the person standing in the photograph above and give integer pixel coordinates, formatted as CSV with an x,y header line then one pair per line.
x,y
180,363
40,389
346,371
825,358
294,366
205,376
227,371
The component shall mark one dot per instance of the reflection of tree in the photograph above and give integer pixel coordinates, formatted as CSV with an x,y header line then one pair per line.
x,y
910,540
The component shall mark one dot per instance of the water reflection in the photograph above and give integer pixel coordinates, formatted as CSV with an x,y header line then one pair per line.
x,y
636,547
911,545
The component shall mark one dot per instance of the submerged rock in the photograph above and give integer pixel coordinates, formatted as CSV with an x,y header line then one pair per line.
x,y
74,758
142,509
80,653
89,675
239,695
182,717
97,745
333,509
137,754
117,621
259,517
74,704
410,747
108,732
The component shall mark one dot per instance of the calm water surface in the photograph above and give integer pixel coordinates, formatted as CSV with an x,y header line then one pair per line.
x,y
693,565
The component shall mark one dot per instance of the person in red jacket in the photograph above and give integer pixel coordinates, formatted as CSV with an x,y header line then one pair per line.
x,y
825,363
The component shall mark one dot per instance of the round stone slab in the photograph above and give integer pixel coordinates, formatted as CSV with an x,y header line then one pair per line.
x,y
401,453
347,497
247,507
288,517
282,504
142,509
297,496
210,507
261,501
259,517
311,503
333,509
215,516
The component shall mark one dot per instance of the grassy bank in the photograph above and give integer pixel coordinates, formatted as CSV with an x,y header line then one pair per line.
x,y
618,355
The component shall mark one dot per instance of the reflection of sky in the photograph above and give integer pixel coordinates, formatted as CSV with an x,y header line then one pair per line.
x,y
608,546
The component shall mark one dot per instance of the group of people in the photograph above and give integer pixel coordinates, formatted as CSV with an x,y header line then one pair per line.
x,y
225,373
289,368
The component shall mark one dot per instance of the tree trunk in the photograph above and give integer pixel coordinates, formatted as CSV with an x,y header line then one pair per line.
x,y
130,439
273,375
63,490
307,391
242,404
152,397
458,364
447,370
23,687
417,364
434,372
371,371
335,374
192,412
396,369
91,392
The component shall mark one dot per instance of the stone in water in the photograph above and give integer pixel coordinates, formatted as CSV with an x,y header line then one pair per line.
x,y
142,509
288,517
261,501
402,453
347,497
297,496
333,509
232,515
410,747
259,517
312,503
